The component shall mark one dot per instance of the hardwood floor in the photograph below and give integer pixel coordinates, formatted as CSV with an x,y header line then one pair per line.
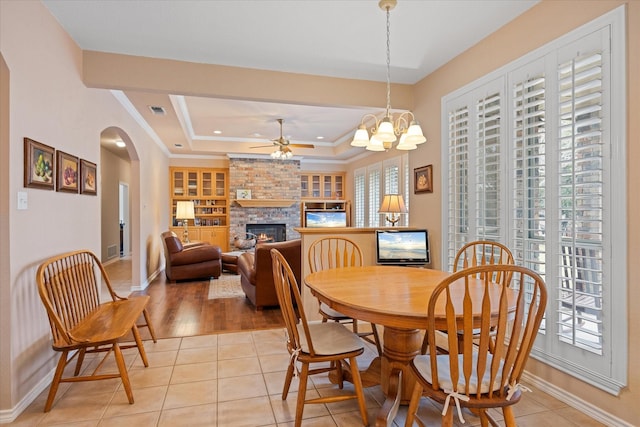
x,y
182,309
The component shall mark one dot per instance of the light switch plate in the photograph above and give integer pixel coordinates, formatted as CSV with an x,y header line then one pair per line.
x,y
22,200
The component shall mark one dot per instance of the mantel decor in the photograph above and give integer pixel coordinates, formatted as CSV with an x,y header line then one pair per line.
x,y
39,165
66,172
423,179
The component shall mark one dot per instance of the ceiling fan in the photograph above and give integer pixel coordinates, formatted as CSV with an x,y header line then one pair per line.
x,y
283,144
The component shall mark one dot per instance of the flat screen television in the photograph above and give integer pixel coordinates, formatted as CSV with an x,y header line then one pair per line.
x,y
402,247
317,219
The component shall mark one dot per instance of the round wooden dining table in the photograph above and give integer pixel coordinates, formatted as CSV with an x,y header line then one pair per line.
x,y
396,298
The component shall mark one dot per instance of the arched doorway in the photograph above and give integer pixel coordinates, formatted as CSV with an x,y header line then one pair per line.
x,y
120,213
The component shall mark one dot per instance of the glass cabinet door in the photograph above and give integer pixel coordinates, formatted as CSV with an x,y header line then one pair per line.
x,y
220,184
337,187
304,185
192,183
315,186
207,184
178,183
327,187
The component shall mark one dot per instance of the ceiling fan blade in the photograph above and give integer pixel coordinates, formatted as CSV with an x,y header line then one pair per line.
x,y
262,146
302,145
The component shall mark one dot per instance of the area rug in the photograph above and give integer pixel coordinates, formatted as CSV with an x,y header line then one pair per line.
x,y
225,286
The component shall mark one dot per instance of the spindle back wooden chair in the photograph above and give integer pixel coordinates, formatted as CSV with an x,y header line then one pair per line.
x,y
314,343
478,253
69,286
475,376
339,252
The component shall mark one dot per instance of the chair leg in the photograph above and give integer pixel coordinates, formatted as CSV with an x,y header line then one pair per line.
x,y
149,326
143,353
425,344
509,418
413,405
357,383
447,419
287,380
302,393
338,367
79,362
55,382
355,326
376,337
122,368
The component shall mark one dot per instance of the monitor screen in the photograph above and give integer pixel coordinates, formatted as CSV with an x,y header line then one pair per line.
x,y
402,247
318,219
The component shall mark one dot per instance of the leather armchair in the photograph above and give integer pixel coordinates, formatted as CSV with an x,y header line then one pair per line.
x,y
190,261
256,273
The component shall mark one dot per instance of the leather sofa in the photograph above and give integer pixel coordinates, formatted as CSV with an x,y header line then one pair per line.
x,y
256,274
190,261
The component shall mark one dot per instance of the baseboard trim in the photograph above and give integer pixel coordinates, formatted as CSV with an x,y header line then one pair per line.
x,y
575,402
10,415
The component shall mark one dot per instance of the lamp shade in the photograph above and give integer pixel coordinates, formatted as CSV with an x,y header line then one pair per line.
x,y
385,131
393,203
185,210
361,138
414,134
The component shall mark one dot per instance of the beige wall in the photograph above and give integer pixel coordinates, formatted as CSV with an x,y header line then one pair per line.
x,y
49,103
538,26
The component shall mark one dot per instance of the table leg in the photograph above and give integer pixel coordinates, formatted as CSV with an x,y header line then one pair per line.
x,y
397,380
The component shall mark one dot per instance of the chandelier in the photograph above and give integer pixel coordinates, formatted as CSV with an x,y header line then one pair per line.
x,y
282,153
386,131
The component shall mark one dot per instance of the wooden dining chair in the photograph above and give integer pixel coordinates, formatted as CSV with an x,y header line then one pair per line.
x,y
314,343
69,286
339,252
478,253
474,376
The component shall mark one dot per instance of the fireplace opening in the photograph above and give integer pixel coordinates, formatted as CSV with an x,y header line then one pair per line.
x,y
268,233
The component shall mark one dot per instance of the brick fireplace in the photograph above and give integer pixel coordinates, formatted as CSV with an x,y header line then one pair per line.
x,y
267,180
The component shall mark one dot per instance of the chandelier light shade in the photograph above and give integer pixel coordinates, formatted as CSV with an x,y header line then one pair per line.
x,y
393,204
282,153
184,212
386,131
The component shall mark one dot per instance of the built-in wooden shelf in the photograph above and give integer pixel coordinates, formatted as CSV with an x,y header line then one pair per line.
x,y
265,203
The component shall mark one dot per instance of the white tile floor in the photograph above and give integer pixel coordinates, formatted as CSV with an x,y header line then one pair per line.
x,y
235,380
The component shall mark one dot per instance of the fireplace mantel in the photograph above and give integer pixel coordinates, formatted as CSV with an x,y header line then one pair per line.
x,y
265,203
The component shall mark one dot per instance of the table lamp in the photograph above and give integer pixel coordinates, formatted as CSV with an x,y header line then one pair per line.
x,y
185,212
393,204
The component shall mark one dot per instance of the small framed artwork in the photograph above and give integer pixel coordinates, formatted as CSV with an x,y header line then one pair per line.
x,y
243,194
67,172
423,179
39,165
88,178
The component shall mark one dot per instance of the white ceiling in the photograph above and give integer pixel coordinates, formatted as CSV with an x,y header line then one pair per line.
x,y
338,38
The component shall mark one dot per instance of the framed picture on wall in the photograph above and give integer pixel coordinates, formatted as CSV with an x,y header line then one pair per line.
x,y
39,165
88,178
423,179
67,172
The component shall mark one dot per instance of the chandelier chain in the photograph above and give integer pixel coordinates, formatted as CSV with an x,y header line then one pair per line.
x,y
388,62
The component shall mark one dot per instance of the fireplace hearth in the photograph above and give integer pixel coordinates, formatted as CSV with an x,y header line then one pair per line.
x,y
268,232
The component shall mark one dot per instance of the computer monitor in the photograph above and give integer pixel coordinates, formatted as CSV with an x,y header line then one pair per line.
x,y
402,247
316,219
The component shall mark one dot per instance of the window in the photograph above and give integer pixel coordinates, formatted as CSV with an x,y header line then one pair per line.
x,y
372,183
534,158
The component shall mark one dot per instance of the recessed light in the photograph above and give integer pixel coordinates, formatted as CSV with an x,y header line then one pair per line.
x,y
217,132
121,144
319,137
256,134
